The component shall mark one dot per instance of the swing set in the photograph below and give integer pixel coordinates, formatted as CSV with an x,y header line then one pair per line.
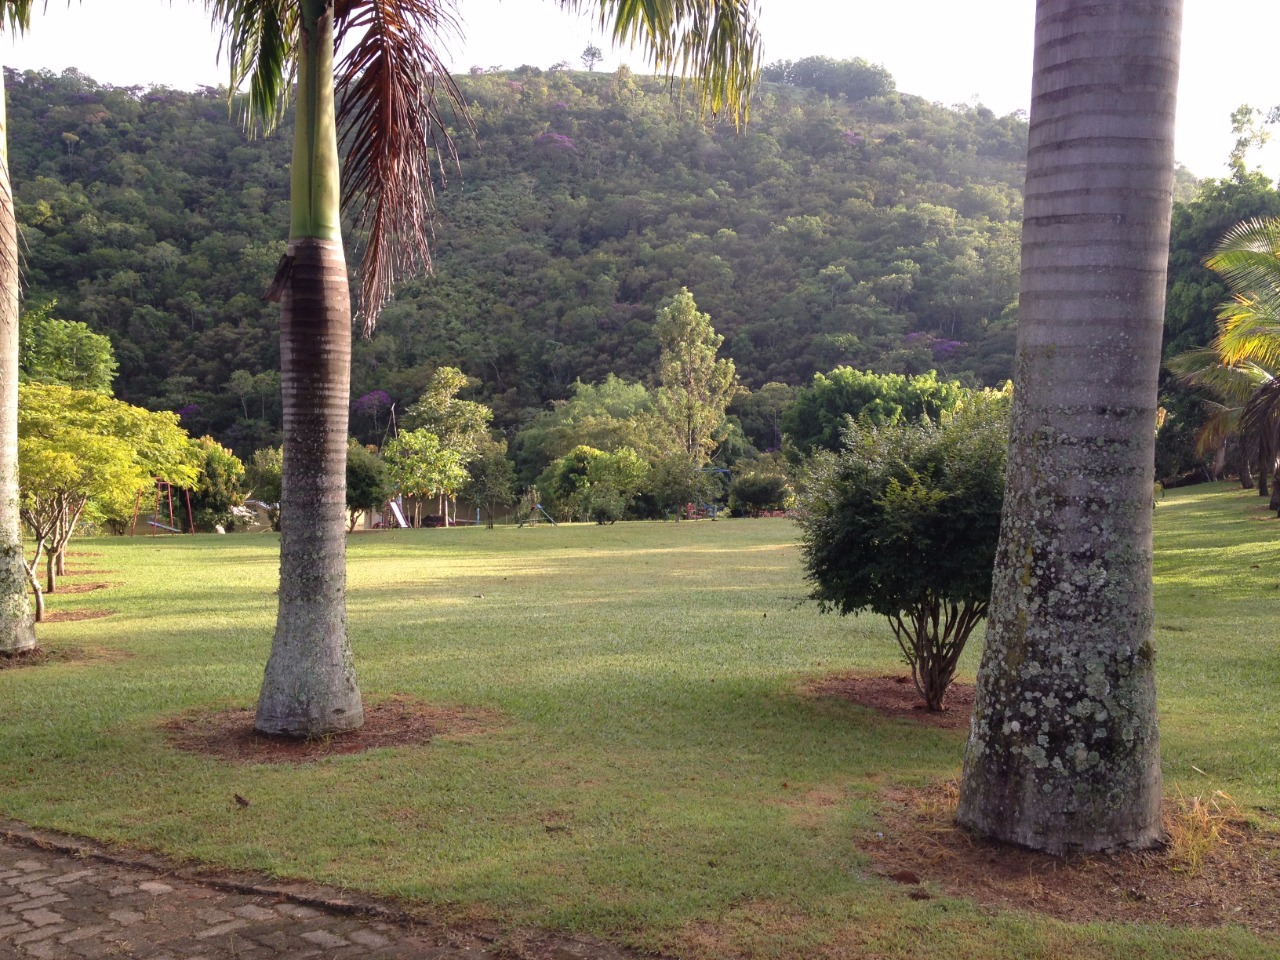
x,y
163,497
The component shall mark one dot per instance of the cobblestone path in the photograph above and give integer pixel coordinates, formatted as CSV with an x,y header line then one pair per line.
x,y
58,906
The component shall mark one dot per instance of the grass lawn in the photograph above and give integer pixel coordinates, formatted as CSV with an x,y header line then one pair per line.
x,y
647,675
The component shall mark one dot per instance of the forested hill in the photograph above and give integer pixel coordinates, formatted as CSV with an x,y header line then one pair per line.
x,y
880,233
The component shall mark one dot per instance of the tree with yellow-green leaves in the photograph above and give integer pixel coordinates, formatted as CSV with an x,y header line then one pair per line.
x,y
83,455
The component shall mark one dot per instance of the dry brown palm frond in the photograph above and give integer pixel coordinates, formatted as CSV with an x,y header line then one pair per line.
x,y
393,89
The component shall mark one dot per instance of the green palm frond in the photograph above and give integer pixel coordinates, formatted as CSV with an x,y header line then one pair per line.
x,y
17,14
1232,383
393,88
716,43
1249,329
1248,256
1220,424
260,41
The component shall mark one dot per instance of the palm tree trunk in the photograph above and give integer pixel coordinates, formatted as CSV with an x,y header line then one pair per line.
x,y
1063,751
1246,469
17,632
310,684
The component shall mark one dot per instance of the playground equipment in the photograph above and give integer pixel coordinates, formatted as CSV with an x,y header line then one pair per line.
x,y
163,495
532,518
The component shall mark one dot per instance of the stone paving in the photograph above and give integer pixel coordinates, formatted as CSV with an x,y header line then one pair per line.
x,y
56,905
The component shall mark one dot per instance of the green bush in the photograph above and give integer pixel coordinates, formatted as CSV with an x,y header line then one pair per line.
x,y
903,521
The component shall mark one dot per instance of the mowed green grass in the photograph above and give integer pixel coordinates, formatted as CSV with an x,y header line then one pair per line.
x,y
648,677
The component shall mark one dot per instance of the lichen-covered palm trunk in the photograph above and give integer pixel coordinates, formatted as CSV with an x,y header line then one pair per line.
x,y
16,630
310,685
1063,751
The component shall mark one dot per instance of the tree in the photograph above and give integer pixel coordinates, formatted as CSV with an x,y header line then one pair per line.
x,y
1240,367
83,454
755,491
368,485
16,630
1063,750
903,522
421,466
392,81
591,55
696,387
821,412
218,488
63,351
491,479
461,426
590,484
263,478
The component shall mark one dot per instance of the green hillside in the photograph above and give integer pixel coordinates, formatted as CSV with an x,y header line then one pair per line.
x,y
880,233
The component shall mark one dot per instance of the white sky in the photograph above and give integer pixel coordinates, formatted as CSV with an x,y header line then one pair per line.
x,y
940,49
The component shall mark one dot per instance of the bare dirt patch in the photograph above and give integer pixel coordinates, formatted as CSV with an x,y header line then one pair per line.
x,y
84,572
81,587
229,734
70,616
897,696
41,656
1236,882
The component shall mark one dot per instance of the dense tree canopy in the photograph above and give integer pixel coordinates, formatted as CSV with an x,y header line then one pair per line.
x,y
880,233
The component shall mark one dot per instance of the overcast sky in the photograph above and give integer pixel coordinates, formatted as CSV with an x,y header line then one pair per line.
x,y
945,51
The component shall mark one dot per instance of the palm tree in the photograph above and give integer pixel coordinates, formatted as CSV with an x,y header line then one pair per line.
x,y
17,630
393,87
1063,751
1241,366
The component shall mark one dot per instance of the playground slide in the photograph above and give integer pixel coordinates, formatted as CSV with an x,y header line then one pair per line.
x,y
398,514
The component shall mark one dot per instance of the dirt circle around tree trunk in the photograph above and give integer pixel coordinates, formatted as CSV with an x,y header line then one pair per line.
x,y
72,616
1231,879
896,696
80,588
41,656
229,734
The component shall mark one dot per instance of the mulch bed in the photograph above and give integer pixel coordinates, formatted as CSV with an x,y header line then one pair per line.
x,y
1238,882
229,734
896,696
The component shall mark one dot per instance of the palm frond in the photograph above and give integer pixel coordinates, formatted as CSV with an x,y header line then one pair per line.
x,y
259,40
1220,424
716,43
1248,256
1203,367
1249,329
1261,415
393,87
17,14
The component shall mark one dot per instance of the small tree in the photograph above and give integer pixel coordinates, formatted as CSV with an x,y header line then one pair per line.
x,y
491,479
591,56
421,466
904,522
368,484
590,484
696,387
219,488
754,492
82,454
263,477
